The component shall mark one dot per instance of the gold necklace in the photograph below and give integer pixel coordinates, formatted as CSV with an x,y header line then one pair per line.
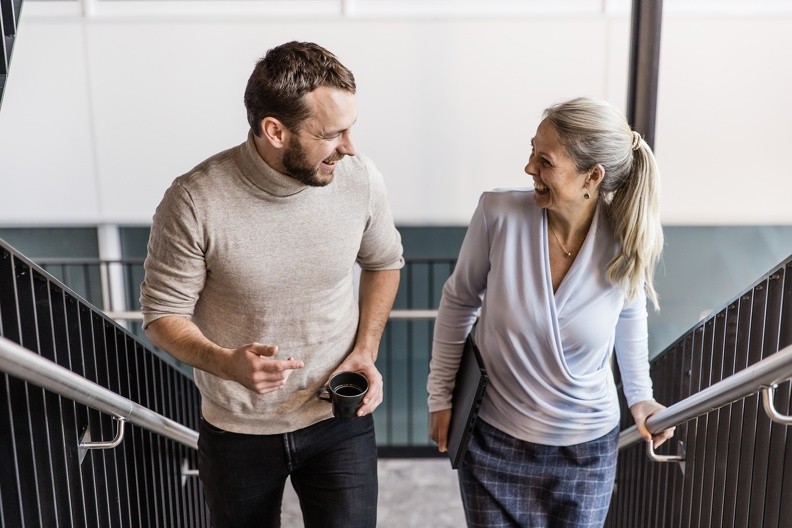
x,y
565,250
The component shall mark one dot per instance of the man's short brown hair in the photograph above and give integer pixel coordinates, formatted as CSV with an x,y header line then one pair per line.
x,y
284,75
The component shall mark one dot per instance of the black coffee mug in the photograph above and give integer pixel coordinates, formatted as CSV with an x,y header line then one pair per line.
x,y
345,391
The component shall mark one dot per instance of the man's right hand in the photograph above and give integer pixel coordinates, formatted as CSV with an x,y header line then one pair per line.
x,y
256,368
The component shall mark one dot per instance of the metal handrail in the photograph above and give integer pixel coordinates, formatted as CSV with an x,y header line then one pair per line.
x,y
31,367
759,377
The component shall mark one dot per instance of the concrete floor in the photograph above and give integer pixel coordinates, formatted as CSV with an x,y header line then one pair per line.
x,y
416,492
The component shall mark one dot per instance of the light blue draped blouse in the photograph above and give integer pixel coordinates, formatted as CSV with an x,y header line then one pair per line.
x,y
547,354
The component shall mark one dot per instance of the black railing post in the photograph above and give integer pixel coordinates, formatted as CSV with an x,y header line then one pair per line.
x,y
647,16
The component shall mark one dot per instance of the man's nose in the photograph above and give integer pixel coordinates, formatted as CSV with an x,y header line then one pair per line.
x,y
347,146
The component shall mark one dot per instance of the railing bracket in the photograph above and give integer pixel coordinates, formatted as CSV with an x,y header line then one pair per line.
x,y
768,394
650,452
86,444
187,472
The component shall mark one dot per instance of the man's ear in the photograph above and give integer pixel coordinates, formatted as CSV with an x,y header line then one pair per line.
x,y
274,132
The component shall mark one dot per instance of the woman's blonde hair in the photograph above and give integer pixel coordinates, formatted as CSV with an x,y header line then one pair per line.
x,y
594,132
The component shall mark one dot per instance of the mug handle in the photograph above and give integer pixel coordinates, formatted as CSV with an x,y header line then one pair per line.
x,y
323,394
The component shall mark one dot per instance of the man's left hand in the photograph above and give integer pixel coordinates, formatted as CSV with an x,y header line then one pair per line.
x,y
362,362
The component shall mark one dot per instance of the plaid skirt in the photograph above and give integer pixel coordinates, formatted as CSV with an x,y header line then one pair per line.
x,y
510,482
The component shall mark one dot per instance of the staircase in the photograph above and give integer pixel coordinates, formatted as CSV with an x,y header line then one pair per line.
x,y
9,20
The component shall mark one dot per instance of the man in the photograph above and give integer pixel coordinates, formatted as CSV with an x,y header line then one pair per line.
x,y
249,279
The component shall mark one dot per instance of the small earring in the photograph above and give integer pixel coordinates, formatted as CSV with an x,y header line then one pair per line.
x,y
586,195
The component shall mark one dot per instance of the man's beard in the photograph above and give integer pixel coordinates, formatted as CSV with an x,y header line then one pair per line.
x,y
298,167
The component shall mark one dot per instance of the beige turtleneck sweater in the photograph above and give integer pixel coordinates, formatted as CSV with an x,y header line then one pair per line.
x,y
252,255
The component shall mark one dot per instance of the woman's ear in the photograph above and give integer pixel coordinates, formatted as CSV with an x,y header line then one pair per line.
x,y
595,176
274,132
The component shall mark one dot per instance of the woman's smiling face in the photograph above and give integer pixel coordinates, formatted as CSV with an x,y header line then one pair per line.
x,y
558,183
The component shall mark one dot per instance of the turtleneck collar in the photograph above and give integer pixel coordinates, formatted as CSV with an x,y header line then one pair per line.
x,y
264,177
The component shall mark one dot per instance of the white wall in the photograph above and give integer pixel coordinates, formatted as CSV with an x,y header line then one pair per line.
x,y
102,110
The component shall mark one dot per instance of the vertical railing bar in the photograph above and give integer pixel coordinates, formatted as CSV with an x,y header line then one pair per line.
x,y
638,493
705,420
756,353
692,433
61,300
176,460
187,403
167,410
721,419
74,315
741,333
122,476
680,372
785,339
108,455
701,430
151,476
14,449
45,396
763,431
130,478
751,408
86,333
98,456
647,511
660,482
725,423
154,443
777,433
164,450
142,435
36,477
135,500
157,445
711,449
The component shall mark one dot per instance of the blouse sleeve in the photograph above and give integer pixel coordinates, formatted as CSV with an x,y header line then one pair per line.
x,y
459,308
632,350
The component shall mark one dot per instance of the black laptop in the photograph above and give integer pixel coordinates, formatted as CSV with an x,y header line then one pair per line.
x,y
471,380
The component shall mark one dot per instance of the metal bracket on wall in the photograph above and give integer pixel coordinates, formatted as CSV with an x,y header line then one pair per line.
x,y
187,472
768,394
85,441
664,458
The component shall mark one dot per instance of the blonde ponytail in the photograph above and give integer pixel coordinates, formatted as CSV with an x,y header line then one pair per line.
x,y
634,215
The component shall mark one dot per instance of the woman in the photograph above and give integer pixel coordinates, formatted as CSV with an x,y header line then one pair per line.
x,y
557,277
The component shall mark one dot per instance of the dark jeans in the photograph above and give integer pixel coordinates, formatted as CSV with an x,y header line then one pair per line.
x,y
332,464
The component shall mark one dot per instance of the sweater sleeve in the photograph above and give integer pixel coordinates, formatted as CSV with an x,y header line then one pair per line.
x,y
380,247
459,308
632,350
175,267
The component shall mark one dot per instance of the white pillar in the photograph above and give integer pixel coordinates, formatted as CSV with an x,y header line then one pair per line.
x,y
113,291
